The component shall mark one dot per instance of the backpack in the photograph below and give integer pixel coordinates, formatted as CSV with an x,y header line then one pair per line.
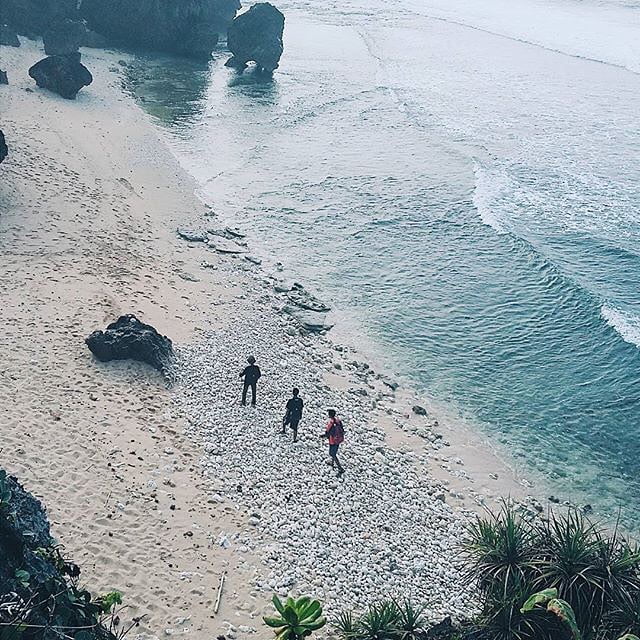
x,y
337,431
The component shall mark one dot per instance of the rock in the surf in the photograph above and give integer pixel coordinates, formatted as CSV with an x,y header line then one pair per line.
x,y
130,339
8,37
256,36
299,296
309,321
184,28
64,37
4,151
64,75
3,77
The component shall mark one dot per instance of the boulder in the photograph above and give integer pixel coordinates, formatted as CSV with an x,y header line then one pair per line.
x,y
130,339
256,36
8,37
64,37
4,151
33,17
64,75
189,29
309,321
3,77
299,296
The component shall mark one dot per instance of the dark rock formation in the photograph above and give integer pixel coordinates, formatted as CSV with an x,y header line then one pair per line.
x,y
8,36
64,75
64,37
4,151
94,40
256,35
3,77
38,587
33,17
184,28
419,411
130,339
299,296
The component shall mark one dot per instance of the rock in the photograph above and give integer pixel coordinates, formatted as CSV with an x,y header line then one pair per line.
x,y
8,37
442,631
3,77
184,28
128,338
419,411
256,35
64,37
3,147
554,500
64,75
222,245
33,17
192,235
94,40
310,321
299,296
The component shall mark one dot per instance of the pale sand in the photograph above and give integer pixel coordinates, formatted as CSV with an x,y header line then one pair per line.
x,y
89,202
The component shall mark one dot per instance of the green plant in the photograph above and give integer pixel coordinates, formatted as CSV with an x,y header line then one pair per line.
x,y
411,620
380,621
296,619
346,625
5,492
548,601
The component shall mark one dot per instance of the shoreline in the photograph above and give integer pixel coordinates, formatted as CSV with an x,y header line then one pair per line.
x,y
88,232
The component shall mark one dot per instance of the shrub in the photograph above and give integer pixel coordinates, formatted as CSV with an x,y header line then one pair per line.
x,y
296,619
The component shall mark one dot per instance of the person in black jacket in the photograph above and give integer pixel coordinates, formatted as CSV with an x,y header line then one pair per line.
x,y
293,414
251,375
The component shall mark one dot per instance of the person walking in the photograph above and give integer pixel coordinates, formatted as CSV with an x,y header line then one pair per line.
x,y
251,374
293,414
334,431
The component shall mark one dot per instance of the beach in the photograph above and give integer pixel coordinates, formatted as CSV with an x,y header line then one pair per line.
x,y
157,489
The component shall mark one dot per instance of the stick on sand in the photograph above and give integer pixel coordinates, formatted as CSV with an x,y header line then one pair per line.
x,y
217,605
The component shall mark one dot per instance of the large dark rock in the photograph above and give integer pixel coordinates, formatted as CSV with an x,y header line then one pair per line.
x,y
3,77
188,28
130,339
256,35
8,37
4,151
33,17
64,37
64,75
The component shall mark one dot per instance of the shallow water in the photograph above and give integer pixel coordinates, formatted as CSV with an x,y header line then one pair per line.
x,y
464,179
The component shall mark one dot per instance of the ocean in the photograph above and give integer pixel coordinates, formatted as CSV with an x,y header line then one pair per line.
x,y
461,180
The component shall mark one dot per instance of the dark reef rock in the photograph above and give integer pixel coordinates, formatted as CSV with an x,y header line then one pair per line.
x,y
256,35
33,17
8,37
130,339
3,77
4,151
64,37
184,28
64,75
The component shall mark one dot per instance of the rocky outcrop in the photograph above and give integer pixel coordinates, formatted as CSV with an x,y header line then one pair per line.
x,y
64,37
33,17
256,36
4,151
130,339
8,37
3,77
176,26
64,75
38,587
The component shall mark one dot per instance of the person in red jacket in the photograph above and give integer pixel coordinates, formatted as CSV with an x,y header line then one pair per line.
x,y
334,431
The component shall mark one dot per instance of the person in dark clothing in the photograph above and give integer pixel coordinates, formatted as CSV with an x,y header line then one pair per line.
x,y
251,374
293,414
334,432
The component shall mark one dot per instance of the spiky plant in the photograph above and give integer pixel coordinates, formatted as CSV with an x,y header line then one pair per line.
x,y
379,622
296,619
411,620
346,626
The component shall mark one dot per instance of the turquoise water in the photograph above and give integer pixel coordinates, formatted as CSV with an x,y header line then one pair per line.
x,y
464,178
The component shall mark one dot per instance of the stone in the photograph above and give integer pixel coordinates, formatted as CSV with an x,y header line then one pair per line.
x,y
299,296
256,36
64,37
309,321
64,75
222,245
192,235
130,339
189,29
8,37
419,411
3,77
33,17
4,151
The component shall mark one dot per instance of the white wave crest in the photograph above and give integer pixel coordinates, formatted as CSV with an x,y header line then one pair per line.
x,y
625,324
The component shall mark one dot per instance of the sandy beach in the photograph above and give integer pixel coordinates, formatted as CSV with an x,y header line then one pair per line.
x,y
157,490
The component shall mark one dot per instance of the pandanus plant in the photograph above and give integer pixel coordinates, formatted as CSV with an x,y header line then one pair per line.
x,y
296,619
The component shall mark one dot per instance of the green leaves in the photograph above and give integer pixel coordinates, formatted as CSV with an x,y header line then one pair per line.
x,y
564,612
23,577
297,619
108,600
542,597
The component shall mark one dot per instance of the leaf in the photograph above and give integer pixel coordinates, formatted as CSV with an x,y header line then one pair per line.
x,y
542,597
274,622
563,610
312,611
277,603
317,624
629,636
290,615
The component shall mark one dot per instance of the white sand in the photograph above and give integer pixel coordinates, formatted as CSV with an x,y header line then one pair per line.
x,y
89,202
